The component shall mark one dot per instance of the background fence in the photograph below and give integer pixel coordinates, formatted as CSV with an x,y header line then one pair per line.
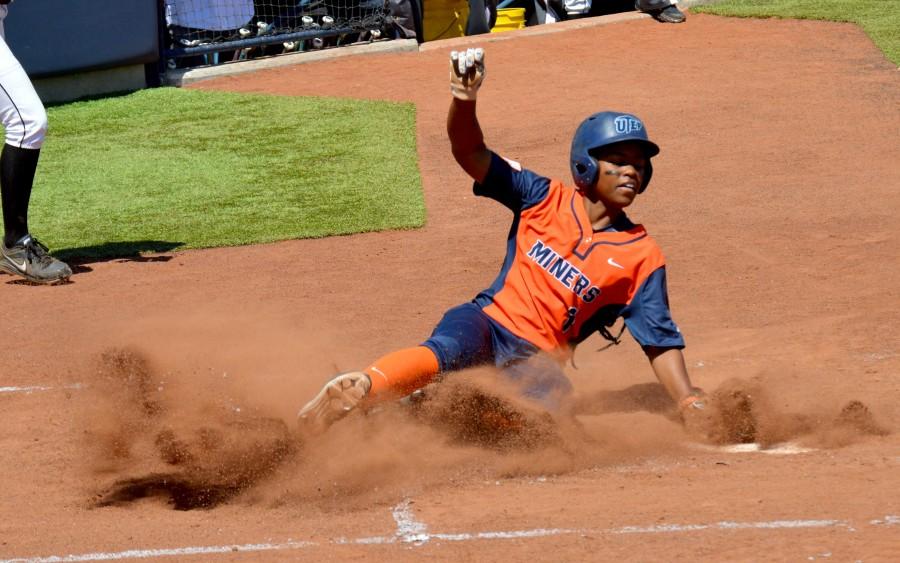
x,y
199,32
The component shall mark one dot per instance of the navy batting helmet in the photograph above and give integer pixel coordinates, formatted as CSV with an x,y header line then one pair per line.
x,y
600,130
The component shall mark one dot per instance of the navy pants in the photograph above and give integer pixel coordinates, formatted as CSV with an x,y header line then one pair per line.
x,y
466,337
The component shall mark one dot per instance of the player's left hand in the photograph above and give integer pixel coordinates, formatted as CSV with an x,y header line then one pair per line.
x,y
466,73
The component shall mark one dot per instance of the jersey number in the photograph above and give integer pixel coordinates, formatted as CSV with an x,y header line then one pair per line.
x,y
570,319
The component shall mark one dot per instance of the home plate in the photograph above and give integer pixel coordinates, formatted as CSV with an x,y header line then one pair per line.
x,y
786,448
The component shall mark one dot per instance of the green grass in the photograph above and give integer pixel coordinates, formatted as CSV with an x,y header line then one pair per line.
x,y
880,19
167,168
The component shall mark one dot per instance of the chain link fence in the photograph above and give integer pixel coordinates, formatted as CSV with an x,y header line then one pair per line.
x,y
209,32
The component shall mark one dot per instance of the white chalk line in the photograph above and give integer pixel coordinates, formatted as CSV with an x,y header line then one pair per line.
x,y
408,528
786,448
34,388
889,520
148,553
411,531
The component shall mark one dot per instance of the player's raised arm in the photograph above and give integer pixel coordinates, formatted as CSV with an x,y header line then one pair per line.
x,y
466,139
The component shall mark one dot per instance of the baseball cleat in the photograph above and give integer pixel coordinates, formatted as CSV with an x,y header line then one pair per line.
x,y
669,14
336,399
29,258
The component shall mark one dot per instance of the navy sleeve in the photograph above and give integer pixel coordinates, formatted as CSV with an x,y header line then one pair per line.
x,y
514,187
648,317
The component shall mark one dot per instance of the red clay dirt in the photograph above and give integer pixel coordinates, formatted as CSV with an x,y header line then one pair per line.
x,y
172,382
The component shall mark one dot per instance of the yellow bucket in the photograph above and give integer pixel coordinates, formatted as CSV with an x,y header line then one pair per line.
x,y
509,19
443,19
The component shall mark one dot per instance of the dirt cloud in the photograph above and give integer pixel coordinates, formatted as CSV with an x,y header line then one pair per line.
x,y
194,440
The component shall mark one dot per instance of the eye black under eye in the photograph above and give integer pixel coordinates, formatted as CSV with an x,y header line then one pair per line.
x,y
620,163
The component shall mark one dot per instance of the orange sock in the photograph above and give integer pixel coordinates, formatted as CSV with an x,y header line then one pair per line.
x,y
402,372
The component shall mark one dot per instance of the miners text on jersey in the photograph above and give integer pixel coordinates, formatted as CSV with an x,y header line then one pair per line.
x,y
563,271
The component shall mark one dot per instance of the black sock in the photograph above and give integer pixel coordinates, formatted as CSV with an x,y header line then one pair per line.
x,y
17,168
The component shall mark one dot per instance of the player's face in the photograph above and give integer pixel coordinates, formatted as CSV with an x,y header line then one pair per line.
x,y
622,168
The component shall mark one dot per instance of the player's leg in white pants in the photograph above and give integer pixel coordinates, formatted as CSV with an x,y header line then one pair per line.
x,y
25,122
21,111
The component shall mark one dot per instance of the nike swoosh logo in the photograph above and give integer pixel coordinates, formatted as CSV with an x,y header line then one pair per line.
x,y
16,264
612,262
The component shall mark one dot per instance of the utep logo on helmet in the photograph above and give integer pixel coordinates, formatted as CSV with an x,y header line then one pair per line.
x,y
626,124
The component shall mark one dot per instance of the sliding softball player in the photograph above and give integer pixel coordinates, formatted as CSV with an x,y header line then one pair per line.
x,y
574,264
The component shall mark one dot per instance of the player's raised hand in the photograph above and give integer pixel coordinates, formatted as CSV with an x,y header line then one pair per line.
x,y
466,73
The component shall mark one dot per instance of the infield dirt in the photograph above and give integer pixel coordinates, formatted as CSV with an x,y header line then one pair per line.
x,y
774,199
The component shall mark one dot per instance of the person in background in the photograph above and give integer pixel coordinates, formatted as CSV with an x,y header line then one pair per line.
x,y
25,121
665,11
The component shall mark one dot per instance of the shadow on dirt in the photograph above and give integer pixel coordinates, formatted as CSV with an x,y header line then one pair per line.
x,y
186,492
649,397
203,458
213,468
124,251
740,412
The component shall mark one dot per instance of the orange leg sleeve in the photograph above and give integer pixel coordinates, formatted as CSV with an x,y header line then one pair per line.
x,y
402,372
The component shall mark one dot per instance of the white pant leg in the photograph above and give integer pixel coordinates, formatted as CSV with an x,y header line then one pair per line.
x,y
21,111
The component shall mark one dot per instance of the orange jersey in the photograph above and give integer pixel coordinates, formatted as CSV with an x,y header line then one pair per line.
x,y
560,278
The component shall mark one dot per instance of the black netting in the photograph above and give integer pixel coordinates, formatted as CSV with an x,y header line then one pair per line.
x,y
213,31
